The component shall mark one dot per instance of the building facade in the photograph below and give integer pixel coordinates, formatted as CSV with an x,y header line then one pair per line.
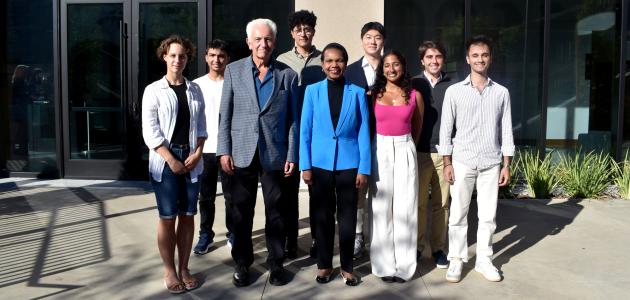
x,y
73,71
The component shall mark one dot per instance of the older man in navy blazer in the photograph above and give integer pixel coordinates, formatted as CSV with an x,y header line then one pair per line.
x,y
258,137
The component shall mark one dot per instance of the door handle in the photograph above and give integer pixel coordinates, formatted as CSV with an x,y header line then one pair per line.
x,y
124,89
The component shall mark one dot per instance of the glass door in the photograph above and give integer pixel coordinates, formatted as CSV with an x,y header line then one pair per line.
x,y
108,58
94,87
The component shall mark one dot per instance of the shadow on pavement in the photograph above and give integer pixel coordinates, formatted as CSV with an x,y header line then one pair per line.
x,y
528,221
47,230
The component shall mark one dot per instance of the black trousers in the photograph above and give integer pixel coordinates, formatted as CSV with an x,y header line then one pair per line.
x,y
335,191
291,187
208,192
244,186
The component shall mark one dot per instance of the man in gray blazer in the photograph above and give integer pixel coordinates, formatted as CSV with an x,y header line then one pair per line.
x,y
258,137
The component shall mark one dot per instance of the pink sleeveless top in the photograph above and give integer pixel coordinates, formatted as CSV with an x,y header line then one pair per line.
x,y
394,120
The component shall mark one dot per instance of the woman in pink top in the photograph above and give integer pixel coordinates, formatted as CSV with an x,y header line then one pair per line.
x,y
398,111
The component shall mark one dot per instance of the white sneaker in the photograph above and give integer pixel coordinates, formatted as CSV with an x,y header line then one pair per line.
x,y
488,271
454,272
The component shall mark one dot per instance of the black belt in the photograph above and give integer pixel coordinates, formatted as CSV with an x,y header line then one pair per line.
x,y
179,146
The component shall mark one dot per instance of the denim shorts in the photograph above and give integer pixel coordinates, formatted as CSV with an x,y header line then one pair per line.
x,y
176,194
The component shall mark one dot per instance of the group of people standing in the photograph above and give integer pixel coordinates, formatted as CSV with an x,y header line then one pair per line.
x,y
372,143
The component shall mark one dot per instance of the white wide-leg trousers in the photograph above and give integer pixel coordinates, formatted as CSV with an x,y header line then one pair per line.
x,y
394,199
461,192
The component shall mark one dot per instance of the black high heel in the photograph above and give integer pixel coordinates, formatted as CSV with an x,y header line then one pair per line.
x,y
354,281
325,279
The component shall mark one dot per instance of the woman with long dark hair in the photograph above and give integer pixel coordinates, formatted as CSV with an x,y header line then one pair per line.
x,y
398,112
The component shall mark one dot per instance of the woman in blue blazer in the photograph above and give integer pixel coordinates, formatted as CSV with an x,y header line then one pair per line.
x,y
335,159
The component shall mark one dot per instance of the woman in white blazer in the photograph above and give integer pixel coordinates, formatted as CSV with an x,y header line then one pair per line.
x,y
174,130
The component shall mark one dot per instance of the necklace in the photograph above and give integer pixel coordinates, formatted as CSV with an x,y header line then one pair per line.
x,y
398,97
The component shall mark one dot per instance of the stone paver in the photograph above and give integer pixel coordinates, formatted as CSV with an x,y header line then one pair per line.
x,y
68,239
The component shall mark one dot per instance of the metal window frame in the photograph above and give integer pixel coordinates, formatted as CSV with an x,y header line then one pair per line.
x,y
622,79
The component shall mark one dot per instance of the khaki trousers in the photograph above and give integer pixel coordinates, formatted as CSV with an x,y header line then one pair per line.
x,y
430,167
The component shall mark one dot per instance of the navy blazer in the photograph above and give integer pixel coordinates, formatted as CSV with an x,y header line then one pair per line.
x,y
323,146
355,75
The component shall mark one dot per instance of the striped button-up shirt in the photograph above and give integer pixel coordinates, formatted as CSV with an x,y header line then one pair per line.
x,y
482,122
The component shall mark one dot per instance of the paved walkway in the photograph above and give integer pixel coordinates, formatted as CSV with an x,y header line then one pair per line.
x,y
76,239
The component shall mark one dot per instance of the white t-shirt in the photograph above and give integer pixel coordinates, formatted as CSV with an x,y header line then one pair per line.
x,y
212,91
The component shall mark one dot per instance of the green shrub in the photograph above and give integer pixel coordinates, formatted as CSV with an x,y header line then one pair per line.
x,y
539,175
622,176
585,175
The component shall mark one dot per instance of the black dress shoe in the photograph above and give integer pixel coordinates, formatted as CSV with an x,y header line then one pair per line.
x,y
388,279
241,276
325,279
399,280
277,276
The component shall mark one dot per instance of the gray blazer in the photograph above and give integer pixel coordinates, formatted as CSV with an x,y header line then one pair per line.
x,y
244,126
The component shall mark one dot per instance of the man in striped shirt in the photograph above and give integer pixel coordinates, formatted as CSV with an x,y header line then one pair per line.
x,y
478,111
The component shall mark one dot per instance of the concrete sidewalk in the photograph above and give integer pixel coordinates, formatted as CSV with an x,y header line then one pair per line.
x,y
76,239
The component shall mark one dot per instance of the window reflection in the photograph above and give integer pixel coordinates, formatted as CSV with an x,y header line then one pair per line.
x,y
583,69
516,27
409,23
157,22
94,84
27,137
625,148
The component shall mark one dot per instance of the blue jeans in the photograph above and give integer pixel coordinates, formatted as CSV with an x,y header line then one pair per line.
x,y
176,194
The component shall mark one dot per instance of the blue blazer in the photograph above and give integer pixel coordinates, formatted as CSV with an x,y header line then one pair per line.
x,y
322,146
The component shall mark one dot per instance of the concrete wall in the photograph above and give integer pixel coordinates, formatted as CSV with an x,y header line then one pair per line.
x,y
341,21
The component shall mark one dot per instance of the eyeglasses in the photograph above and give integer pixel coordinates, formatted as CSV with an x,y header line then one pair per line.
x,y
303,30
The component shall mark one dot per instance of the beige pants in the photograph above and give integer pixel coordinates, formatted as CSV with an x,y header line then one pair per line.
x,y
430,167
